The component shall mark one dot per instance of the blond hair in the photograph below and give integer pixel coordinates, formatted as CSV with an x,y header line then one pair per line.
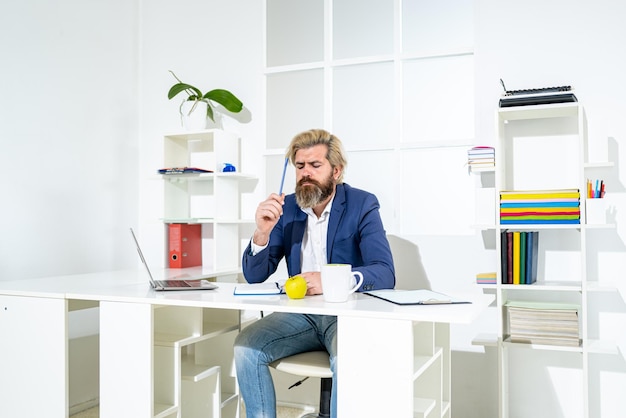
x,y
307,139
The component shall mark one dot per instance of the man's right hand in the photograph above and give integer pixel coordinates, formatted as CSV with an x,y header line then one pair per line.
x,y
267,215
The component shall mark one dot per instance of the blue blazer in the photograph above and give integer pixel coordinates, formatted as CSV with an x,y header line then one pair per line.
x,y
355,236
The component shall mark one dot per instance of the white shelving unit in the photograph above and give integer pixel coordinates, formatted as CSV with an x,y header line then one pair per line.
x,y
431,371
210,199
544,147
193,364
421,388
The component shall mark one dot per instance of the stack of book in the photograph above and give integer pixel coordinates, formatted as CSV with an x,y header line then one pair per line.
x,y
518,256
561,206
486,278
481,158
543,323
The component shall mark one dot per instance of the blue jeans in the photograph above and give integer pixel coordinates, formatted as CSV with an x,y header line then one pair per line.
x,y
273,337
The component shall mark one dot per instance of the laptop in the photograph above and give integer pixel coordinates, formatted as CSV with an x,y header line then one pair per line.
x,y
200,283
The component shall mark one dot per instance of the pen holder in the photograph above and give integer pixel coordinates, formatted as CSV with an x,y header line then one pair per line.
x,y
595,211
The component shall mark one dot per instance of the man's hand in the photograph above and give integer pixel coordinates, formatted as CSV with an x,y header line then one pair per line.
x,y
313,282
267,215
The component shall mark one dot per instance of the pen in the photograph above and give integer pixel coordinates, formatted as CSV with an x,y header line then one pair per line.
x,y
282,181
602,189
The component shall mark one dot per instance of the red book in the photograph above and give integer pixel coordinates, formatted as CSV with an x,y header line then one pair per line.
x,y
185,245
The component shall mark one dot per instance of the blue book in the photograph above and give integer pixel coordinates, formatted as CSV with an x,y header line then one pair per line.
x,y
532,249
541,205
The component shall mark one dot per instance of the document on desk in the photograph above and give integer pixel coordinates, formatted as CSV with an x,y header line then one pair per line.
x,y
414,297
256,289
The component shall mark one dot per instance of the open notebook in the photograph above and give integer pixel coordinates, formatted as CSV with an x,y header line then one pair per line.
x,y
414,297
187,283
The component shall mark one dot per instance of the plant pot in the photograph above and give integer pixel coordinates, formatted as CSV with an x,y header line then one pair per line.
x,y
217,122
194,118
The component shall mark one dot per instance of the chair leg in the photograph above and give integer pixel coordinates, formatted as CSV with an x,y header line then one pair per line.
x,y
326,386
325,392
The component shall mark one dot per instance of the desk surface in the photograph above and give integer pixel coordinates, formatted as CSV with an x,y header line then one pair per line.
x,y
132,286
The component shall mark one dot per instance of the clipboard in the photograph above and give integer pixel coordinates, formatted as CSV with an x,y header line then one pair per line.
x,y
414,297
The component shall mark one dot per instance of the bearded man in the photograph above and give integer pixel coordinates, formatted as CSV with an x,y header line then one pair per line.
x,y
326,221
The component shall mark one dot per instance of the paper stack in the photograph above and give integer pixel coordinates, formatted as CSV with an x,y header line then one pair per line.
x,y
481,158
543,323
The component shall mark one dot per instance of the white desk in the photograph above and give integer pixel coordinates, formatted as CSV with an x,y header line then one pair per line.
x,y
392,360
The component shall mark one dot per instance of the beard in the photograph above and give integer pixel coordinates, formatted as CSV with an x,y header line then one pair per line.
x,y
314,193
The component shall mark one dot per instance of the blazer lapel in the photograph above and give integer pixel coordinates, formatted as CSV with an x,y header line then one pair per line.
x,y
297,235
336,213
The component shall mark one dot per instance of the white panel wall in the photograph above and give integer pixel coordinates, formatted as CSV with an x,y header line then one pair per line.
x,y
68,136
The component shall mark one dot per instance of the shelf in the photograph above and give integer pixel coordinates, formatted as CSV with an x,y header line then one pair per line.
x,y
207,176
210,331
483,170
207,221
600,226
564,286
162,410
558,110
228,398
547,347
445,407
196,372
525,227
191,135
601,287
485,340
600,164
602,347
423,407
421,363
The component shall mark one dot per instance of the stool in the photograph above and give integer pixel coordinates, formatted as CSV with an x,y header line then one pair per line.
x,y
310,364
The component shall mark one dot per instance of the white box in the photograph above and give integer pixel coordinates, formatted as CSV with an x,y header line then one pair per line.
x,y
595,210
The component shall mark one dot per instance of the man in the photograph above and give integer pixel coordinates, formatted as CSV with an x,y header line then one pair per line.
x,y
325,221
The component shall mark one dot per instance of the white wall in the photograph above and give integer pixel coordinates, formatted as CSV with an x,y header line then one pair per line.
x,y
209,44
68,141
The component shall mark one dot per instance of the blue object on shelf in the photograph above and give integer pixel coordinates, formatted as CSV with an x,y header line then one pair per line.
x,y
228,168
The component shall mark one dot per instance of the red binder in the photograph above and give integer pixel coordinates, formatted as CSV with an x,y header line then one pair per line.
x,y
185,245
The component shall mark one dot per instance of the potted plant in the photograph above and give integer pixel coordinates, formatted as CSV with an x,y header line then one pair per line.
x,y
195,101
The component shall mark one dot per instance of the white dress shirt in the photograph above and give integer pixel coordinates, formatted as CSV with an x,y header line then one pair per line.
x,y
313,252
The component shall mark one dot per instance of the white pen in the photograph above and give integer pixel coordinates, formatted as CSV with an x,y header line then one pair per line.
x,y
282,181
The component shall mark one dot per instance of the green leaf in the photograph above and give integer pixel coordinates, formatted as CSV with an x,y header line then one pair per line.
x,y
179,87
226,99
209,111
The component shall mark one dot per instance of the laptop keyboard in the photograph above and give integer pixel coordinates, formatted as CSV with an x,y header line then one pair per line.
x,y
542,90
173,283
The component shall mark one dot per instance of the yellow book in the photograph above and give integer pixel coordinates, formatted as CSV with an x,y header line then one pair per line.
x,y
539,194
516,257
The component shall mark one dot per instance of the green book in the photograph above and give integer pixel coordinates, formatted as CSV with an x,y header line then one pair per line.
x,y
522,257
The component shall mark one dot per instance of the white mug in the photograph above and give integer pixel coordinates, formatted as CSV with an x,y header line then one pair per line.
x,y
338,282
